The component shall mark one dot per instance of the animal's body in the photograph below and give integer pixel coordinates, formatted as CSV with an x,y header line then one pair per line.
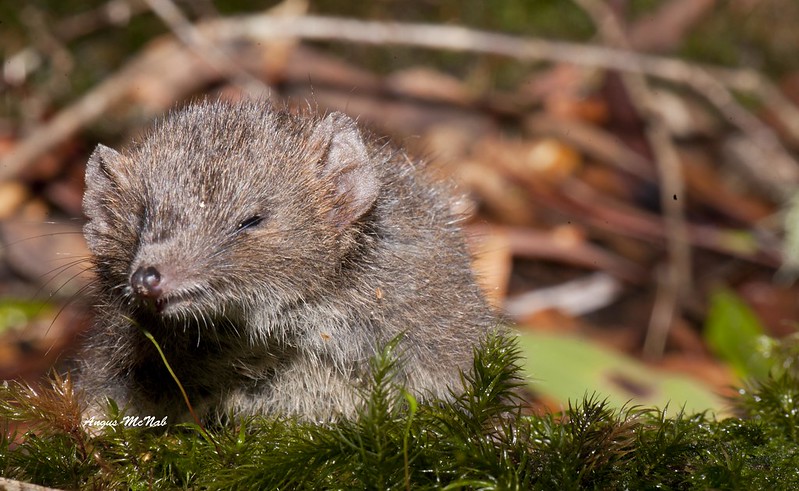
x,y
270,255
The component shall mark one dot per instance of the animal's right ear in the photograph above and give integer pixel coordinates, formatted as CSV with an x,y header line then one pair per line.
x,y
104,172
344,161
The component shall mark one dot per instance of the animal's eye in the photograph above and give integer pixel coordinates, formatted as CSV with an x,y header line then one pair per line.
x,y
251,222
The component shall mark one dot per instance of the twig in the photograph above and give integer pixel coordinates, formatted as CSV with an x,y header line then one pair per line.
x,y
43,138
188,69
747,80
776,167
192,37
781,170
19,65
46,42
594,142
676,284
114,12
616,217
577,199
666,27
525,242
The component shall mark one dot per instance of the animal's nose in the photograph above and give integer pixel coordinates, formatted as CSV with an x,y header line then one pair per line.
x,y
146,282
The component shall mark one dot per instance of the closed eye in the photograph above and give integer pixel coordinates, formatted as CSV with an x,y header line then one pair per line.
x,y
249,223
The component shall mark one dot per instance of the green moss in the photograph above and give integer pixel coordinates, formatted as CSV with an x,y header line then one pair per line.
x,y
478,440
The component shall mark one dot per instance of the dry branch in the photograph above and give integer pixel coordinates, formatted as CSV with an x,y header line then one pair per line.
x,y
781,175
676,284
203,47
18,66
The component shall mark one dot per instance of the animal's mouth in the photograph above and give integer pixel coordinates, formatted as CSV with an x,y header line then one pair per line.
x,y
160,304
166,305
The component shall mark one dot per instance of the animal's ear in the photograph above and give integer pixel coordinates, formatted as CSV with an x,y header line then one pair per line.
x,y
103,175
344,160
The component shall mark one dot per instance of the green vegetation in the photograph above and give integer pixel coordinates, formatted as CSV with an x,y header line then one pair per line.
x,y
16,314
477,441
620,379
735,334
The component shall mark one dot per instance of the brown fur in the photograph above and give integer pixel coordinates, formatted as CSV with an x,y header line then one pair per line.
x,y
353,248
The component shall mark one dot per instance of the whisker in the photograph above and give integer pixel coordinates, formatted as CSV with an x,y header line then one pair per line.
x,y
41,236
66,304
60,270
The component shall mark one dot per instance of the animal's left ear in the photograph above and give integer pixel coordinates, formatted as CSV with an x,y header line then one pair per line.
x,y
345,162
104,175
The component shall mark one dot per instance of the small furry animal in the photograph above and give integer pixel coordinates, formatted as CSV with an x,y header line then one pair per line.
x,y
270,255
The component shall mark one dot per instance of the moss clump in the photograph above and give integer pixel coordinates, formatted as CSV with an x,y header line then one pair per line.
x,y
478,441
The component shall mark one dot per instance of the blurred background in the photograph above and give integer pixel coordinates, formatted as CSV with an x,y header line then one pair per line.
x,y
627,167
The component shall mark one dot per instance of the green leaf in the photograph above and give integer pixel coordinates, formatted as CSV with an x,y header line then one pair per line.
x,y
735,334
567,368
